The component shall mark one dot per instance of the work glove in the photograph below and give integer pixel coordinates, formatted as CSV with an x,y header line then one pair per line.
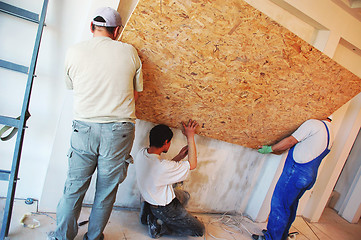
x,y
265,149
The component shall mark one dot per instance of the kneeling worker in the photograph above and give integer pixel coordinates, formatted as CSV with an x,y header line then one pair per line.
x,y
163,209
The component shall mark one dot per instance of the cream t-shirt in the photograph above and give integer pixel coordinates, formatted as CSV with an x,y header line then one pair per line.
x,y
103,74
155,177
312,140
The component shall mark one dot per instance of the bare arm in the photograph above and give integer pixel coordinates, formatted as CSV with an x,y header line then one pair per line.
x,y
284,144
189,131
182,154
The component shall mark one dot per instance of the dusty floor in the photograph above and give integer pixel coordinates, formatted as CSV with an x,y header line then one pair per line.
x,y
124,225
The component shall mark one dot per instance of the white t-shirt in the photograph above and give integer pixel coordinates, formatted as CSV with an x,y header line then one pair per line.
x,y
104,75
312,140
155,177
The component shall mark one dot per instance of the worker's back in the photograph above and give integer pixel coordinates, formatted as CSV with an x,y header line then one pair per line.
x,y
312,140
103,74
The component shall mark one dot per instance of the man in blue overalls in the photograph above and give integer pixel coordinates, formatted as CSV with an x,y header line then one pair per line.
x,y
308,145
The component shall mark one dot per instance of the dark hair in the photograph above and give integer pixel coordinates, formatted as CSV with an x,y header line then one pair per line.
x,y
159,134
101,19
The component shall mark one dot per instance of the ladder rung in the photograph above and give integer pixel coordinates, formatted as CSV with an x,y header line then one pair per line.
x,y
4,175
14,66
9,121
19,12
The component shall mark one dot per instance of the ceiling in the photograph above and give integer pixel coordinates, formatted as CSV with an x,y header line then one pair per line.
x,y
351,6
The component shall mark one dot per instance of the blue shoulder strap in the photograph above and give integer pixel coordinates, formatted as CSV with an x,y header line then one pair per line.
x,y
328,133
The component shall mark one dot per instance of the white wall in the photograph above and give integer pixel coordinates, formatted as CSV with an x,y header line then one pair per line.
x,y
348,184
17,42
258,207
65,25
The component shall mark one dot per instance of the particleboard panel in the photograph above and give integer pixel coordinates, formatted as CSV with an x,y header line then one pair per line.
x,y
245,79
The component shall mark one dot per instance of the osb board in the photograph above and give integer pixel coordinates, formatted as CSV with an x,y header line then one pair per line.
x,y
245,79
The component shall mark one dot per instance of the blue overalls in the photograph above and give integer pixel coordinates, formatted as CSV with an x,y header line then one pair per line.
x,y
296,178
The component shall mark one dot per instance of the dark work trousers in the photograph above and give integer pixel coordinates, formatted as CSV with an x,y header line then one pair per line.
x,y
177,219
296,178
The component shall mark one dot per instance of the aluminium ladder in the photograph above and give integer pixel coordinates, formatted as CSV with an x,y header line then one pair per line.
x,y
19,124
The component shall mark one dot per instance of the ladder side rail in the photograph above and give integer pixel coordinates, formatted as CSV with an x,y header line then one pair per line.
x,y
20,135
12,184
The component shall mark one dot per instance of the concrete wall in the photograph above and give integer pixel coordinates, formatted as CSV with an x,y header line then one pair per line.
x,y
229,177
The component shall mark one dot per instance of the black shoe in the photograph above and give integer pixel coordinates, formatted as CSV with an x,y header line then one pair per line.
x,y
292,235
258,237
144,212
264,231
86,236
154,228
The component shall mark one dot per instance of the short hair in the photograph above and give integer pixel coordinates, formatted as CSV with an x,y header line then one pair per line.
x,y
110,30
159,134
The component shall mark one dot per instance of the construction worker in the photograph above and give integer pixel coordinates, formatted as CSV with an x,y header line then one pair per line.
x,y
308,145
106,76
163,209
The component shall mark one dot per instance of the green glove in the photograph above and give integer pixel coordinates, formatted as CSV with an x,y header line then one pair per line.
x,y
265,149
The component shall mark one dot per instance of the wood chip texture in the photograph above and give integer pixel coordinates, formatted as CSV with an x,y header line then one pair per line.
x,y
244,78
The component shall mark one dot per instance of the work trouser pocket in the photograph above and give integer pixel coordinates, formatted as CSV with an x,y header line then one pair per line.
x,y
80,136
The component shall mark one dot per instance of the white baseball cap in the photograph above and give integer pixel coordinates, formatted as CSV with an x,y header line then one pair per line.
x,y
111,17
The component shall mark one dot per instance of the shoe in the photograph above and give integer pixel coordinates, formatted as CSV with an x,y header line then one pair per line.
x,y
258,237
292,235
86,236
144,212
51,236
264,231
164,230
154,228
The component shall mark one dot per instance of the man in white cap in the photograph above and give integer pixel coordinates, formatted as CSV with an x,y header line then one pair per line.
x,y
106,76
308,145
